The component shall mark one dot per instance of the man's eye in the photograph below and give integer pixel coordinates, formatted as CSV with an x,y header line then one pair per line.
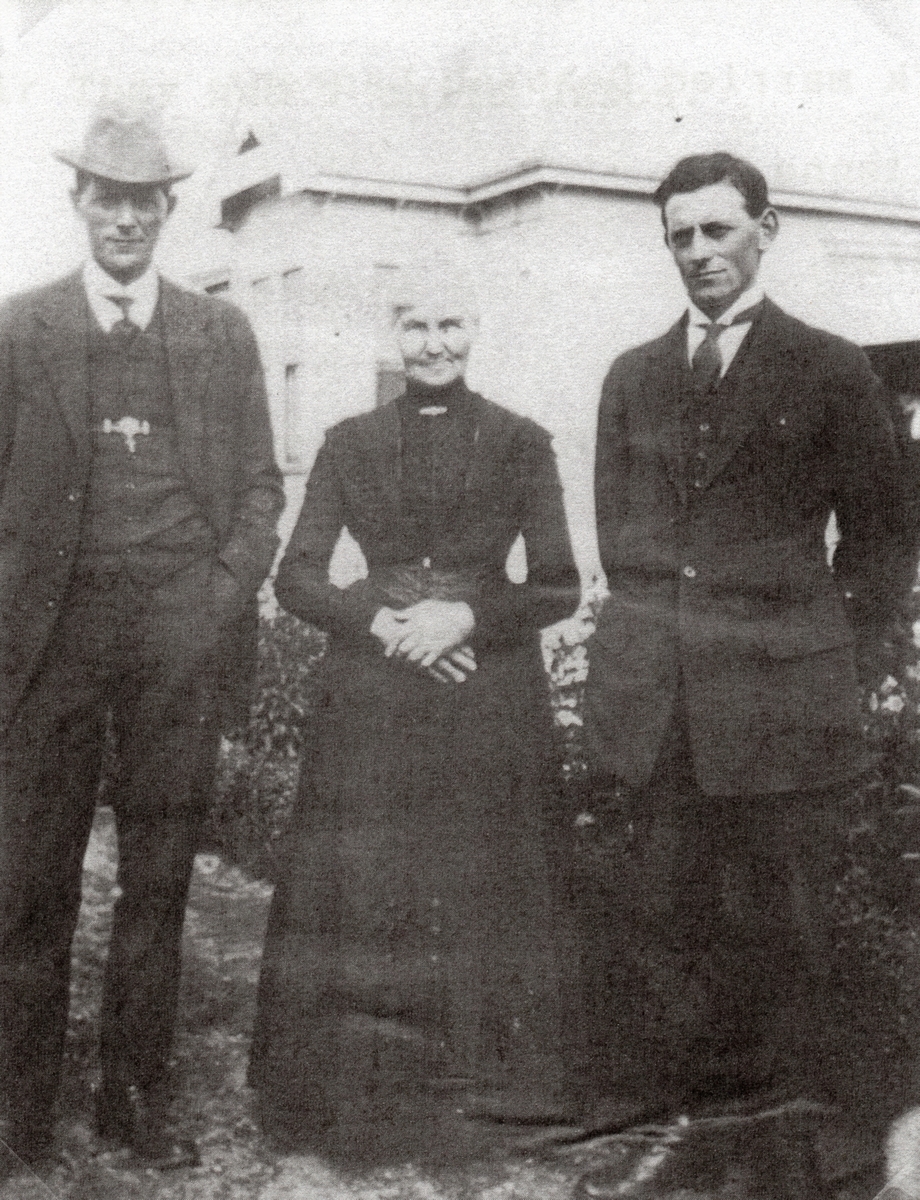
x,y
716,231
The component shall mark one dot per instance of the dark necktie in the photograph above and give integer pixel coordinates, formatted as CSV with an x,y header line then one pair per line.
x,y
123,328
706,363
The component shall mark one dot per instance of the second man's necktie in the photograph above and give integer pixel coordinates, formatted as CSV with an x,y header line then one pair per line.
x,y
706,363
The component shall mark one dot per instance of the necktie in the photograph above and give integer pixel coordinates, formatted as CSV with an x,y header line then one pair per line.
x,y
706,363
123,327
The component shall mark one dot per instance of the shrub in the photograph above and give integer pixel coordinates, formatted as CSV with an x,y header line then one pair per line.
x,y
257,771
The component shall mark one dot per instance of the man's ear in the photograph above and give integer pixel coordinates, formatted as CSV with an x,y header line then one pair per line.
x,y
170,203
769,228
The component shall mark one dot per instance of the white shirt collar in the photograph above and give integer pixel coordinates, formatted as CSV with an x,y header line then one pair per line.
x,y
100,286
730,340
753,295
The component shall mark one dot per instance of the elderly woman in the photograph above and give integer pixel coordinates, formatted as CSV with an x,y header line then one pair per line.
x,y
412,959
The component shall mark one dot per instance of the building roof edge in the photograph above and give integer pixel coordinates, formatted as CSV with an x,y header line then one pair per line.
x,y
535,174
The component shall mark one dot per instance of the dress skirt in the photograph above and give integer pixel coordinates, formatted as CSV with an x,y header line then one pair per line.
x,y
416,947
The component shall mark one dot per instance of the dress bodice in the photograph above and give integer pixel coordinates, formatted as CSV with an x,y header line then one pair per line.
x,y
446,491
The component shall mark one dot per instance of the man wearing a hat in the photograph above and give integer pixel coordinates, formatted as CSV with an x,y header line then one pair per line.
x,y
138,502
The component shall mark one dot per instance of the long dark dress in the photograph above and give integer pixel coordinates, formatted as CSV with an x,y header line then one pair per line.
x,y
415,939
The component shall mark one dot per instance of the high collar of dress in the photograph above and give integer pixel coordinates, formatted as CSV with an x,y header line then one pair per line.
x,y
434,401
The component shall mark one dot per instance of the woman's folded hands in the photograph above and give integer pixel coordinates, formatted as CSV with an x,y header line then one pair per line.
x,y
432,634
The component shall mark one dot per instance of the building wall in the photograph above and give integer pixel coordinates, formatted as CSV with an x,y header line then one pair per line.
x,y
566,279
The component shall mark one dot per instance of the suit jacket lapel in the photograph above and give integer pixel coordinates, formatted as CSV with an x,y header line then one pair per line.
x,y
752,377
62,319
665,384
190,355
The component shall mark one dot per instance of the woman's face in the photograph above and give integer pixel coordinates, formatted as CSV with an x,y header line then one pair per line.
x,y
434,340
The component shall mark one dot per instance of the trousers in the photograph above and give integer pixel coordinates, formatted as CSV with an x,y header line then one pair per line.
x,y
129,669
715,963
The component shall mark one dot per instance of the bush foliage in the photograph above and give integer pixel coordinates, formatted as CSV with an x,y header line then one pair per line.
x,y
258,770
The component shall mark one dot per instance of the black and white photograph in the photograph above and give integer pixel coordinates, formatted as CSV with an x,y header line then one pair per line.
x,y
459,600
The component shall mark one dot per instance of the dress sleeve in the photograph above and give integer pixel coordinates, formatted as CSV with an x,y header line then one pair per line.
x,y
303,586
507,612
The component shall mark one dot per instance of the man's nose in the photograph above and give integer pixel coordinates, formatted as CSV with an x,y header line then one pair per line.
x,y
434,342
125,216
700,245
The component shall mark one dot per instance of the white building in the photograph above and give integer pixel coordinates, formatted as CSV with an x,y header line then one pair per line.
x,y
570,269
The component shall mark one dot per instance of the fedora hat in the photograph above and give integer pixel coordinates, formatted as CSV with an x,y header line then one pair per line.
x,y
126,149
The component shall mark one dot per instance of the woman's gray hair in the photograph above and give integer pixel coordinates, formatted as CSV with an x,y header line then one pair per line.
x,y
435,283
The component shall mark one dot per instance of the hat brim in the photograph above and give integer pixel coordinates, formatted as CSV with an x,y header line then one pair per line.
x,y
103,171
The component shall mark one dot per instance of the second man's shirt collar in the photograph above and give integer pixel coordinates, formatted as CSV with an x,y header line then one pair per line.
x,y
730,341
752,296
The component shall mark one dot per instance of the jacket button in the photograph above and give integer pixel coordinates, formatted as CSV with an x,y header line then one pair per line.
x,y
72,497
690,572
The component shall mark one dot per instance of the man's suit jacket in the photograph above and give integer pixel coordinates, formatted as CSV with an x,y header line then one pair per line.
x,y
722,599
224,439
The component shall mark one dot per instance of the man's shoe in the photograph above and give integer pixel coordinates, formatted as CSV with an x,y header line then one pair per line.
x,y
134,1117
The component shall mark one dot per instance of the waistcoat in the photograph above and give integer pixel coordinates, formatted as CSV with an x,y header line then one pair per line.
x,y
702,418
141,515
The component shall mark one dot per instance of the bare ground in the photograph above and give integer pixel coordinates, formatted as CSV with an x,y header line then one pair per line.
x,y
223,939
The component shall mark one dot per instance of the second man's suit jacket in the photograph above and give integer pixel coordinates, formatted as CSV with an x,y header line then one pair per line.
x,y
722,600
223,437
